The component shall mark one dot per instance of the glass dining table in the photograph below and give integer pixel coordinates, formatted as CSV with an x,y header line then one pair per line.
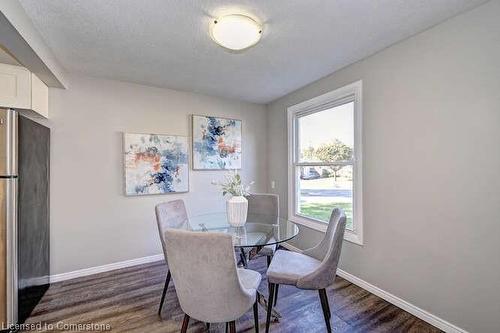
x,y
258,231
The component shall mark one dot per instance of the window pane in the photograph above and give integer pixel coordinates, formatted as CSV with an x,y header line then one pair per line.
x,y
327,136
323,188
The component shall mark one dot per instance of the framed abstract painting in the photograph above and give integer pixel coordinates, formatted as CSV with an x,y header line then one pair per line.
x,y
155,164
216,143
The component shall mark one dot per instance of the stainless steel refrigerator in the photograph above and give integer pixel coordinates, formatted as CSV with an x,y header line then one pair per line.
x,y
24,215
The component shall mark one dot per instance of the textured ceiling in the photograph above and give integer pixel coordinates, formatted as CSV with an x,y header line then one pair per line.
x,y
165,43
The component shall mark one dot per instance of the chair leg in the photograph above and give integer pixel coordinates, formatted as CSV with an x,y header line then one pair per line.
x,y
208,327
269,258
256,314
165,287
270,303
276,294
243,257
243,261
232,327
326,308
185,324
325,297
227,327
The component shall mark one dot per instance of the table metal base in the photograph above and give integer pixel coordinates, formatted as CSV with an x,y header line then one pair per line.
x,y
276,316
262,300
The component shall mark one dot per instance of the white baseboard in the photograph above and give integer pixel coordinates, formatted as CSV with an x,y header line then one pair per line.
x,y
38,281
291,247
401,303
104,268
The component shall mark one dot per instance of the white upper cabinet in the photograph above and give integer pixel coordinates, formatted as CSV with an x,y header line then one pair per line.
x,y
15,87
21,89
39,96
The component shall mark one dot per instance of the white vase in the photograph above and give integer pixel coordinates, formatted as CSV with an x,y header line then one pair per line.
x,y
237,209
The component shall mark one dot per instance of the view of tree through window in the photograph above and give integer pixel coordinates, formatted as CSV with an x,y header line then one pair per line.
x,y
325,161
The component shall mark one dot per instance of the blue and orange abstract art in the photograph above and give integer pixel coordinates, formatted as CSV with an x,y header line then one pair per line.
x,y
216,143
155,164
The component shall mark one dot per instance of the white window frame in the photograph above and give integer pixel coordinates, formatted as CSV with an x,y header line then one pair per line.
x,y
346,94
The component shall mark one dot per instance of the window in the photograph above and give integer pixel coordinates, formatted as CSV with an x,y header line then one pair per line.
x,y
324,139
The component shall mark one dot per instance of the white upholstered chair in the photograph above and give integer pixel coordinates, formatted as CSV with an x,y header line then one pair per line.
x,y
313,269
265,209
170,214
209,286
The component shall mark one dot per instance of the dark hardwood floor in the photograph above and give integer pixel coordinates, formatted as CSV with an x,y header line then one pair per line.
x,y
127,300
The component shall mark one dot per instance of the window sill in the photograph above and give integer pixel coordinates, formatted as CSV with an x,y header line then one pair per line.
x,y
319,226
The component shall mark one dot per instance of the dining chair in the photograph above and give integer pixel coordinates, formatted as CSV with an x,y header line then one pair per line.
x,y
313,269
171,214
266,207
209,285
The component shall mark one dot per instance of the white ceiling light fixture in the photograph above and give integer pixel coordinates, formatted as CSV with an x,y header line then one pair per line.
x,y
235,32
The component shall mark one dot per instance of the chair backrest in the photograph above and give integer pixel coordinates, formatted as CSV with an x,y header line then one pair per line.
x,y
328,252
265,206
206,280
171,214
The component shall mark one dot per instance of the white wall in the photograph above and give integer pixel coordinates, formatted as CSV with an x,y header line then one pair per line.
x,y
431,168
92,222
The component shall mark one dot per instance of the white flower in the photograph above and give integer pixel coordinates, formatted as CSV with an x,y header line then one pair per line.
x,y
233,185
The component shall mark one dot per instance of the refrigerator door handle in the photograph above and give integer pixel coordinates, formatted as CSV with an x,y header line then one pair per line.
x,y
8,142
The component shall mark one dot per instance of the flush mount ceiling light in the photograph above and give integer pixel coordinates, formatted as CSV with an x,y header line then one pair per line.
x,y
235,32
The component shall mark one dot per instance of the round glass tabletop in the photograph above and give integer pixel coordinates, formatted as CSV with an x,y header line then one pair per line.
x,y
259,230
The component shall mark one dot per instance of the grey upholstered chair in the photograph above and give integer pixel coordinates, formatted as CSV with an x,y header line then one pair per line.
x,y
266,206
314,268
170,214
209,286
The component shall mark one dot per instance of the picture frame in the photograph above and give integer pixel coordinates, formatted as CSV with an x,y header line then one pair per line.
x,y
216,143
155,164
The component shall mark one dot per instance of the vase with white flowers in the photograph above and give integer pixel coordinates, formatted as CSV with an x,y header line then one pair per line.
x,y
236,204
